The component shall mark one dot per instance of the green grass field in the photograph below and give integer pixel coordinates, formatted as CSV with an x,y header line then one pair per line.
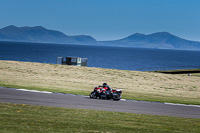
x,y
148,86
28,118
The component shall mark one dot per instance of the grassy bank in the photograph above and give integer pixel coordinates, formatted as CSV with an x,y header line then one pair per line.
x,y
29,118
182,71
136,85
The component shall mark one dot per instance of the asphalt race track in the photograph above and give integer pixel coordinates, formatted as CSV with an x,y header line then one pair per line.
x,y
8,95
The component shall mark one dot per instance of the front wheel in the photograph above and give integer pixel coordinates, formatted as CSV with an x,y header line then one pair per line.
x,y
116,96
116,99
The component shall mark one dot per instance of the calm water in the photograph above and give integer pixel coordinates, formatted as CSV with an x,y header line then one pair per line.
x,y
105,57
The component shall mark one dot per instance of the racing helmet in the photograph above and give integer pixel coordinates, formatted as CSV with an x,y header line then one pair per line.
x,y
105,84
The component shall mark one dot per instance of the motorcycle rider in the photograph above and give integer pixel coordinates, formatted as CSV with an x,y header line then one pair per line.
x,y
108,87
105,88
105,92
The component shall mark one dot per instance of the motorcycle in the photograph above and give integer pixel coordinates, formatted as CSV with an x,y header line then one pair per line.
x,y
103,93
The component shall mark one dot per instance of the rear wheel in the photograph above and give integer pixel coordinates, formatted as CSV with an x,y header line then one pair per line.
x,y
93,95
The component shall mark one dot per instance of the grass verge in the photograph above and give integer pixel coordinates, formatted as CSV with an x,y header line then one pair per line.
x,y
29,118
148,86
180,71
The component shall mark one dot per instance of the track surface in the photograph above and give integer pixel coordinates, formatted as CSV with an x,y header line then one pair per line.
x,y
72,101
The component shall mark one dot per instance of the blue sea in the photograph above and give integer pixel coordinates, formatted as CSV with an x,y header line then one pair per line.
x,y
101,56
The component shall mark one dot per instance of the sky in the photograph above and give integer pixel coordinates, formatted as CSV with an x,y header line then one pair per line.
x,y
106,19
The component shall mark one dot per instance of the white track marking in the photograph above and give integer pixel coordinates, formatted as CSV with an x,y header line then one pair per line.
x,y
35,91
182,104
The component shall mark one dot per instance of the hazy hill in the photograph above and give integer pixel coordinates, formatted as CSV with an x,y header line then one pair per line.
x,y
41,34
159,40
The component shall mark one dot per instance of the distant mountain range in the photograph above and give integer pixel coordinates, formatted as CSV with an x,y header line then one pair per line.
x,y
39,34
159,40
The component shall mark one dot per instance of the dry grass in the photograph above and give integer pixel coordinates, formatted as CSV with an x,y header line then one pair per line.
x,y
81,80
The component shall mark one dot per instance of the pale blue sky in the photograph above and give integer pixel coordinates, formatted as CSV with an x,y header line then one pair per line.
x,y
106,19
